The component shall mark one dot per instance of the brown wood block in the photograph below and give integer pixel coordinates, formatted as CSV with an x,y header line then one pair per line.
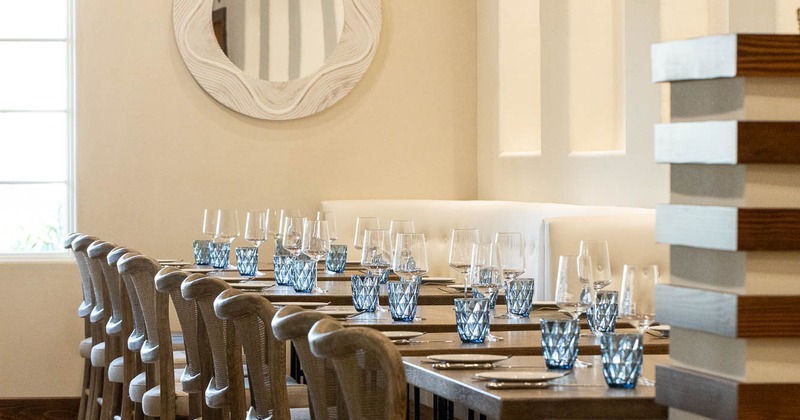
x,y
39,408
769,142
766,55
722,398
727,314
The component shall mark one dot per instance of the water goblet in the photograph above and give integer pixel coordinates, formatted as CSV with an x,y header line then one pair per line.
x,y
316,244
255,232
363,223
376,254
601,263
227,226
210,222
410,260
574,292
397,227
637,297
461,241
486,274
330,217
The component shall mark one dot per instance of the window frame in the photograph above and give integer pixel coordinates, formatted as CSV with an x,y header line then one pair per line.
x,y
70,181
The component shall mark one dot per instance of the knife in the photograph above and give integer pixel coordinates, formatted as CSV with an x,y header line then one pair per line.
x,y
535,385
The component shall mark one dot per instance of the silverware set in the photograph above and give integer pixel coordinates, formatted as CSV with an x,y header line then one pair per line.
x,y
409,341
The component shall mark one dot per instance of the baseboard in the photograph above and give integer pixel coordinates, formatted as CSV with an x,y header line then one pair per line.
x,y
39,408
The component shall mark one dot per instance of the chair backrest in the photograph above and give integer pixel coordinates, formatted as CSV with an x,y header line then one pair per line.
x,y
369,368
79,244
141,271
266,355
168,281
157,347
98,253
324,396
226,388
138,331
100,313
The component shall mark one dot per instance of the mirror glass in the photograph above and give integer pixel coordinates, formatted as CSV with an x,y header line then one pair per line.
x,y
278,40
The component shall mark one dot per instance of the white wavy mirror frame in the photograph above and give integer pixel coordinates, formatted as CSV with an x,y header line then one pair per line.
x,y
286,100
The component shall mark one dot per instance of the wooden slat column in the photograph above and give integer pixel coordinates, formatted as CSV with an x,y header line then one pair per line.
x,y
733,225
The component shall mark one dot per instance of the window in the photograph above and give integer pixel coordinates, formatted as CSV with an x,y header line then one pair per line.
x,y
36,125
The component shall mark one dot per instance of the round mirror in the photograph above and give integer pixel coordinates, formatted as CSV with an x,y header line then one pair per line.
x,y
278,40
262,91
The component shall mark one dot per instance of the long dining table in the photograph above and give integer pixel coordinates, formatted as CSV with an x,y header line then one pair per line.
x,y
580,393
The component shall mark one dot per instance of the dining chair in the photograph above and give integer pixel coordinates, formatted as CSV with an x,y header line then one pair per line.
x,y
368,366
104,355
85,345
324,396
198,370
126,367
226,389
265,355
160,397
97,316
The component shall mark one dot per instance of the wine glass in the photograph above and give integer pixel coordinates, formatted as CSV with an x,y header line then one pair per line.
x,y
573,288
376,254
637,297
274,223
330,217
292,235
316,243
255,228
399,226
486,274
601,264
512,253
363,223
227,228
461,241
410,259
210,222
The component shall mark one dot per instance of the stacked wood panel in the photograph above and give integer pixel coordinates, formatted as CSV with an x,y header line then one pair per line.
x,y
733,225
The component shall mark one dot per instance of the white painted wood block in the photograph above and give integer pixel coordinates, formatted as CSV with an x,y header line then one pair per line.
x,y
697,226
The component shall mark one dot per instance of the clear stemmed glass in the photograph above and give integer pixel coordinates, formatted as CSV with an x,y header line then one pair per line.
x,y
330,217
292,236
485,274
512,253
410,260
637,297
573,287
363,223
601,264
461,241
255,229
397,227
376,254
210,222
227,226
316,243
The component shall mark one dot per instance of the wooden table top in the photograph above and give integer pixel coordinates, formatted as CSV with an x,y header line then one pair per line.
x,y
591,400
514,343
340,293
442,318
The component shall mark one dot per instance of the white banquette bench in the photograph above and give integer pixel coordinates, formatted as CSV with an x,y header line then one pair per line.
x,y
549,230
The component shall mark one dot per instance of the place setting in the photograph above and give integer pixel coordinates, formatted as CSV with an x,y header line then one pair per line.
x,y
409,337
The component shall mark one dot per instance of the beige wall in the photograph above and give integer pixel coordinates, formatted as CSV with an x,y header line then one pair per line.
x,y
626,175
153,150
